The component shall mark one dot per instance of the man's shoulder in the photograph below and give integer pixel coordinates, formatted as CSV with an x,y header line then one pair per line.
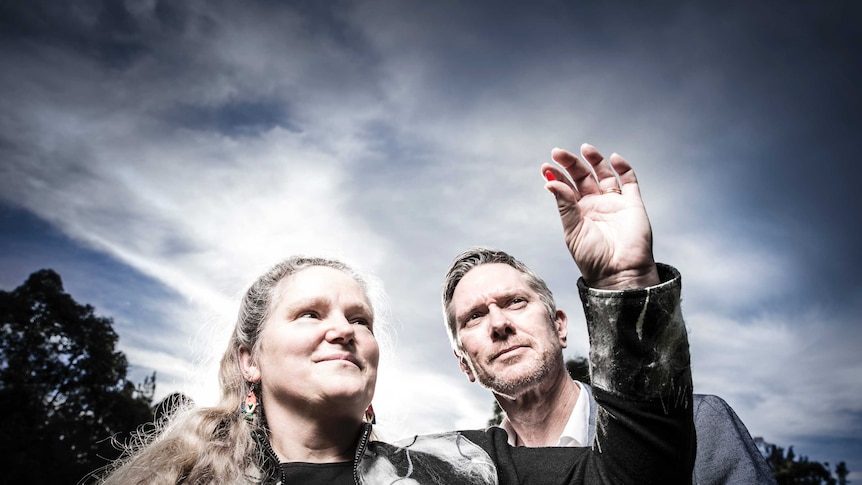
x,y
710,406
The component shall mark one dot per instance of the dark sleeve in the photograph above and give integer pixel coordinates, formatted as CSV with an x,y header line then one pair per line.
x,y
639,354
641,378
725,451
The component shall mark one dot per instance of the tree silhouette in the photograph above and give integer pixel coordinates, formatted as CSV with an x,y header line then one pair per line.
x,y
63,387
841,472
789,469
579,369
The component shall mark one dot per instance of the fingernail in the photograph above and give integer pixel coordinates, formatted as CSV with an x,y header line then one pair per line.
x,y
550,176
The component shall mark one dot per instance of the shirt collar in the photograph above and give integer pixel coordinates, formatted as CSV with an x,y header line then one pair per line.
x,y
576,432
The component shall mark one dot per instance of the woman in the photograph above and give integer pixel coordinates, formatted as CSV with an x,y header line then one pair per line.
x,y
306,320
297,380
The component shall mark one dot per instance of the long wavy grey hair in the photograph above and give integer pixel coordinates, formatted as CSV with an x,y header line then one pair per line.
x,y
215,444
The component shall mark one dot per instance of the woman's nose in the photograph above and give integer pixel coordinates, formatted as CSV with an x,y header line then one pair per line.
x,y
340,330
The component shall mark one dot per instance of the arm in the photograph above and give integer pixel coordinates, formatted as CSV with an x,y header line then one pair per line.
x,y
725,451
638,342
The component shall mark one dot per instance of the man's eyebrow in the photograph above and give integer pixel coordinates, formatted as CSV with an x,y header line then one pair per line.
x,y
496,296
460,316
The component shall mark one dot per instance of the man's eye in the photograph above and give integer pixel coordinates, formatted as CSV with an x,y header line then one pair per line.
x,y
308,314
473,318
518,301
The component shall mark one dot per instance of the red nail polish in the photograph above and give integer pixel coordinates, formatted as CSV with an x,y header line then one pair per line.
x,y
550,176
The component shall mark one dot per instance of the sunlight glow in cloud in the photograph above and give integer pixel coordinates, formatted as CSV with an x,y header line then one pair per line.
x,y
218,138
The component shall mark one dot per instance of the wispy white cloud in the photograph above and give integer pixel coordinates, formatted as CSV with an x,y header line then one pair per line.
x,y
395,136
779,368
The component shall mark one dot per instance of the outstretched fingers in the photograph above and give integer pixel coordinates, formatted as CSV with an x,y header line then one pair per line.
x,y
607,179
580,172
595,175
559,184
626,174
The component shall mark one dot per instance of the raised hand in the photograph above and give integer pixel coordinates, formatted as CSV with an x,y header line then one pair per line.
x,y
605,224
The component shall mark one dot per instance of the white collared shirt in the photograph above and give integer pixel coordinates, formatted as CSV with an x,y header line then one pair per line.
x,y
577,430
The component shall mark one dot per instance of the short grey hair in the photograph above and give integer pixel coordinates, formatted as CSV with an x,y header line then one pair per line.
x,y
477,256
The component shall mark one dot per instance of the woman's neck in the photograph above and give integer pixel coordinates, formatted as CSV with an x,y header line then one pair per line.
x,y
313,440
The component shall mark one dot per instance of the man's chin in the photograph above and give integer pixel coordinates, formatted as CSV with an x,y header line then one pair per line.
x,y
510,386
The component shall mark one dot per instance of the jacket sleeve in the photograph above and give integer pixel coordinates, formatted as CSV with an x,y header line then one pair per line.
x,y
725,451
641,377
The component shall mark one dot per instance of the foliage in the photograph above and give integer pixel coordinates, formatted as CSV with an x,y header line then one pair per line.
x,y
496,416
579,369
791,470
63,386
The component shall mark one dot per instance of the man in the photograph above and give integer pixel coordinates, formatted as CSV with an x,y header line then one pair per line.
x,y
508,334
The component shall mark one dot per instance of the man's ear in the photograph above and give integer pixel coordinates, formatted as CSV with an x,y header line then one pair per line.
x,y
248,365
561,322
465,367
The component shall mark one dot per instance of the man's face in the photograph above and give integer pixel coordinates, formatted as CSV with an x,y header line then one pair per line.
x,y
506,339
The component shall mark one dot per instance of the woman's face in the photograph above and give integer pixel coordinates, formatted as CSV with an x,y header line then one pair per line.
x,y
317,347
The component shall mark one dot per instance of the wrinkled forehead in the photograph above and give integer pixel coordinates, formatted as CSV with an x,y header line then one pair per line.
x,y
488,282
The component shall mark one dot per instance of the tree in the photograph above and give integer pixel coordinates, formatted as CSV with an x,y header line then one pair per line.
x,y
841,472
578,368
790,470
63,386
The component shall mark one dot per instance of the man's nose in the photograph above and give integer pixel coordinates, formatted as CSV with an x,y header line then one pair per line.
x,y
499,322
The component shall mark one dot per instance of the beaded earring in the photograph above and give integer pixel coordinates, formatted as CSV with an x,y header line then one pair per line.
x,y
250,404
369,415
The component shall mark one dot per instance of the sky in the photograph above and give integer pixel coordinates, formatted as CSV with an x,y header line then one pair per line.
x,y
160,155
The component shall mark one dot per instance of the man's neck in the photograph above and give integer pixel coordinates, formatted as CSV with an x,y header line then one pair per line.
x,y
539,415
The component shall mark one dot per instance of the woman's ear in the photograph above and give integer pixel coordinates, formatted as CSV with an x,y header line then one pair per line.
x,y
248,365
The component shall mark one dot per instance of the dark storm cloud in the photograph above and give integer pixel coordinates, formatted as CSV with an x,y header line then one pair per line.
x,y
103,30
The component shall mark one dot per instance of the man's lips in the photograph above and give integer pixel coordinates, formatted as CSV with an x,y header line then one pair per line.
x,y
341,356
506,351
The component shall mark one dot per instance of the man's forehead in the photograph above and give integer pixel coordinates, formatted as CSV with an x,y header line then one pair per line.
x,y
487,281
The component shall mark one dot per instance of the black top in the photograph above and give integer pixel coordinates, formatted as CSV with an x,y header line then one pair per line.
x,y
318,473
